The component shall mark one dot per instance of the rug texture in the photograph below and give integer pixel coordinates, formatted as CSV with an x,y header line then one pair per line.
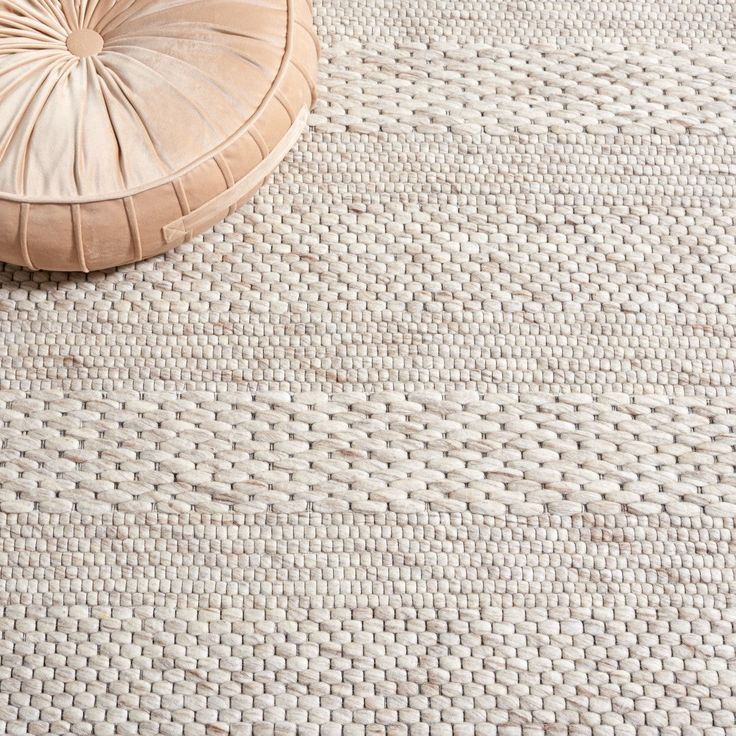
x,y
437,436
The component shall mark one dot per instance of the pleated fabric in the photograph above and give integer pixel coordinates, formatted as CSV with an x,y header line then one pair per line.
x,y
128,126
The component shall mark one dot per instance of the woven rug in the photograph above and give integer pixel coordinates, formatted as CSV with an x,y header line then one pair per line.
x,y
437,436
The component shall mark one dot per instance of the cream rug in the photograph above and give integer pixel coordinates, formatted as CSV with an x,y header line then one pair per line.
x,y
436,437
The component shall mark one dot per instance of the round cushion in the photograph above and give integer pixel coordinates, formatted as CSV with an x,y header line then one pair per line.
x,y
129,126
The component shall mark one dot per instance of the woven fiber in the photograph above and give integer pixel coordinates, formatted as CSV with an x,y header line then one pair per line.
x,y
436,436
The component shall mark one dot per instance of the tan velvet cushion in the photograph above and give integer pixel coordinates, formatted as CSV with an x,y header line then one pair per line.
x,y
128,126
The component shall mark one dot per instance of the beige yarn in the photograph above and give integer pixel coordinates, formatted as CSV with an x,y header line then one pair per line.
x,y
437,436
220,452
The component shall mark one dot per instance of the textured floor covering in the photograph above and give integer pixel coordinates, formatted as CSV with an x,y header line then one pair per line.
x,y
436,436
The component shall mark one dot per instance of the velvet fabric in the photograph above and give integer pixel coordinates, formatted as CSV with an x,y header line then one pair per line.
x,y
127,126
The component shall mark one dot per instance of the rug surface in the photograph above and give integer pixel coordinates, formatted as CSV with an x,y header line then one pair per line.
x,y
435,436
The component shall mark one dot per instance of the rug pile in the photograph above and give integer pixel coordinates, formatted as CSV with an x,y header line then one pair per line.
x,y
435,436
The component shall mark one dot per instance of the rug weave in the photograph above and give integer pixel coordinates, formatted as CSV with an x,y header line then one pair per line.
x,y
436,436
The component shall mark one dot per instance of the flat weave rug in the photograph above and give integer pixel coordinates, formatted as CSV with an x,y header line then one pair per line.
x,y
436,436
